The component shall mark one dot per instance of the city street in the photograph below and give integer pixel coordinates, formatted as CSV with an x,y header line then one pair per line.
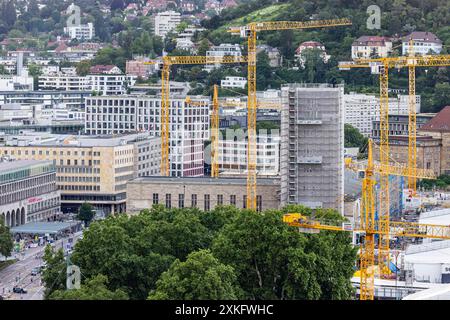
x,y
19,273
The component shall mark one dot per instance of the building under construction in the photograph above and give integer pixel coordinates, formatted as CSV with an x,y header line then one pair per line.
x,y
312,146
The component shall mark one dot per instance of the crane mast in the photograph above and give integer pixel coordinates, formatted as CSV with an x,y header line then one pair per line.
x,y
215,134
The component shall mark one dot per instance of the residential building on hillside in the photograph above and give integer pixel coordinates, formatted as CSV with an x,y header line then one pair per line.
x,y
361,110
312,146
233,82
109,80
28,192
81,32
423,43
189,125
66,80
304,47
138,68
371,47
92,169
275,57
224,49
165,22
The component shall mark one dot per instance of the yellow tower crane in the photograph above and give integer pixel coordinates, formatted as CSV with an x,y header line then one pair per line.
x,y
167,62
214,131
250,32
368,227
381,66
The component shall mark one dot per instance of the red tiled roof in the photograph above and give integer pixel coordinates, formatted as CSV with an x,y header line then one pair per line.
x,y
98,69
61,47
422,36
440,122
371,41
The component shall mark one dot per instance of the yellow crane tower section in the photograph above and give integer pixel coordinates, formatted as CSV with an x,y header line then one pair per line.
x,y
168,61
214,130
250,32
367,225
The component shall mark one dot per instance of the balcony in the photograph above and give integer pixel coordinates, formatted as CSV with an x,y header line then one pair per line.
x,y
309,159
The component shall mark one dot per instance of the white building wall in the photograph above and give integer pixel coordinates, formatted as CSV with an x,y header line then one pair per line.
x,y
362,109
225,49
189,125
165,22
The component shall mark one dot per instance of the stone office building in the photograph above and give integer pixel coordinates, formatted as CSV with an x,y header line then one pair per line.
x,y
28,192
201,192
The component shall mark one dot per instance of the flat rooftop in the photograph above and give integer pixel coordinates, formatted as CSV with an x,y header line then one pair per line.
x,y
21,164
43,227
70,141
203,180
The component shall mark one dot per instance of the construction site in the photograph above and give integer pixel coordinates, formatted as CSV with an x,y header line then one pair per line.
x,y
396,226
270,149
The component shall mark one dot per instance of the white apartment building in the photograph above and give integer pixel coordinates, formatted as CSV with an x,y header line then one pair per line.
x,y
81,32
70,99
64,82
371,46
224,49
16,111
189,125
9,64
423,43
165,22
362,109
233,82
233,155
16,83
110,84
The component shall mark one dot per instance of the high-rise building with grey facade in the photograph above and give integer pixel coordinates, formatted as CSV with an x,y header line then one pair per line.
x,y
312,146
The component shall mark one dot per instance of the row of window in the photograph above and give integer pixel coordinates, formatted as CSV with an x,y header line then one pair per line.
x,y
77,179
47,152
79,188
206,201
65,169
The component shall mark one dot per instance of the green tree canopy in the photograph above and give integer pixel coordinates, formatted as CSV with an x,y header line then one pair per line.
x,y
274,261
83,67
200,277
353,138
94,289
54,275
86,213
6,240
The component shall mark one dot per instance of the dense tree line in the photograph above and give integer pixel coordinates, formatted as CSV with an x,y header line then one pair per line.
x,y
226,253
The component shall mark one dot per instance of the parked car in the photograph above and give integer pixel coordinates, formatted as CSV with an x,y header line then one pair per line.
x,y
1,298
19,290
